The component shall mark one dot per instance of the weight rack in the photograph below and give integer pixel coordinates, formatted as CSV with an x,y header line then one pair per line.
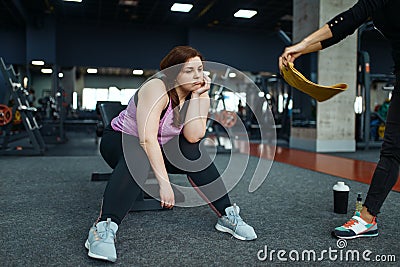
x,y
32,129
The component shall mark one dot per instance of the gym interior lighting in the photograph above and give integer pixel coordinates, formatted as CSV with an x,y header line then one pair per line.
x,y
25,82
37,62
245,13
128,2
46,71
91,70
181,7
137,72
358,105
75,100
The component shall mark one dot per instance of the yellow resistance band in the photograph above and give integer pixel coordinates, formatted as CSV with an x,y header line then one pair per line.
x,y
320,92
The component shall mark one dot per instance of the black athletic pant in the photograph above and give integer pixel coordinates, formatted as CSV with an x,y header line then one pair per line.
x,y
122,189
387,170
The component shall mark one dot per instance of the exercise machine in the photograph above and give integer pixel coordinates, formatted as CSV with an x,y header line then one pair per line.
x,y
276,94
220,123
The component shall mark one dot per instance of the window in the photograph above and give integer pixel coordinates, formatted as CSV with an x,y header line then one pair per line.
x,y
90,96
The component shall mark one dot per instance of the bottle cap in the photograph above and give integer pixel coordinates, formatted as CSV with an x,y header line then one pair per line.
x,y
341,186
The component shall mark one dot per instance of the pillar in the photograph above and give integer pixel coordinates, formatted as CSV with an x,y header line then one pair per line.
x,y
335,118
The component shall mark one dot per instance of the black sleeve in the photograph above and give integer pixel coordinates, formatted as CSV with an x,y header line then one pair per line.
x,y
347,22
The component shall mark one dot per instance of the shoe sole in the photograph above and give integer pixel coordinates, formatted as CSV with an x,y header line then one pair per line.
x,y
355,236
227,230
95,256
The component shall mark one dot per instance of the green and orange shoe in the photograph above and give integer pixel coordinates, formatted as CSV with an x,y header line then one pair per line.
x,y
356,227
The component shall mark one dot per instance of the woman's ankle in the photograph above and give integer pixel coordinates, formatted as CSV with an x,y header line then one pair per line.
x,y
366,216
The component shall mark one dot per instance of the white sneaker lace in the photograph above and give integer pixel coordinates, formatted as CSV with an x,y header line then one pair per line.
x,y
107,231
234,216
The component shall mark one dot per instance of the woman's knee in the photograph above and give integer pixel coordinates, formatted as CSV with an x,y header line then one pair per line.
x,y
190,150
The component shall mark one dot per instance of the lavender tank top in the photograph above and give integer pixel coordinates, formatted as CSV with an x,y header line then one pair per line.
x,y
126,122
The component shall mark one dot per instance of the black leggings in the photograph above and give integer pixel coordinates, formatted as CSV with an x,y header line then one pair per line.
x,y
122,189
387,170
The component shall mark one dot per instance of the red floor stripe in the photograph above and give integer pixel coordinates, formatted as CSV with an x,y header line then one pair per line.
x,y
351,169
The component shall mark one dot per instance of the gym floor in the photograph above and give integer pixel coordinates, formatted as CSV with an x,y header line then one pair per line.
x,y
49,203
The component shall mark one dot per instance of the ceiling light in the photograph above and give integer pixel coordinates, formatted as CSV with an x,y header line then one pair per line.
x,y
78,1
60,75
91,71
47,71
244,13
181,7
128,2
37,62
137,72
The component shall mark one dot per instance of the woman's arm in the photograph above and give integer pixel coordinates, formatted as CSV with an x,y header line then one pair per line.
x,y
152,99
196,116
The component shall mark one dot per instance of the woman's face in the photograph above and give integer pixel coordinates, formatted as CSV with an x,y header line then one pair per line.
x,y
191,78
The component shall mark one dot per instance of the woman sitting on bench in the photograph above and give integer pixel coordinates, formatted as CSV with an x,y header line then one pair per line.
x,y
166,116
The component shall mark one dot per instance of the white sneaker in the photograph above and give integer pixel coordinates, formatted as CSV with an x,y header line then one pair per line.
x,y
232,223
101,241
356,227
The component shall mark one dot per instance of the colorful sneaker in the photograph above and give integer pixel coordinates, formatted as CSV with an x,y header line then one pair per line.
x,y
356,227
232,223
100,242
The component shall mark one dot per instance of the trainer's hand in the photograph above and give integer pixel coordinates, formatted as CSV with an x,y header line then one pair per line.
x,y
291,53
167,196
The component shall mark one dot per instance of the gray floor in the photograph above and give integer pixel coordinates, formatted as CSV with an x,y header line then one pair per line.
x,y
48,204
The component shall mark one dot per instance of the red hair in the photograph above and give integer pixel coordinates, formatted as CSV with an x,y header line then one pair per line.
x,y
178,55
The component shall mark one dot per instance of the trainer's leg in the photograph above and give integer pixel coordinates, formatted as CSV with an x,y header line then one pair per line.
x,y
200,171
387,170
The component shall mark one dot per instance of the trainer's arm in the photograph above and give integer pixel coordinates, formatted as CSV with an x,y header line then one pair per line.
x,y
333,31
311,43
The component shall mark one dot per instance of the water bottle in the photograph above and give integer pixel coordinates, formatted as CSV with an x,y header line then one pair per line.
x,y
340,197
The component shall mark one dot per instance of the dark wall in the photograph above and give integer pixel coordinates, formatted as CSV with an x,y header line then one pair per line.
x,y
247,51
13,45
73,43
41,41
115,46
